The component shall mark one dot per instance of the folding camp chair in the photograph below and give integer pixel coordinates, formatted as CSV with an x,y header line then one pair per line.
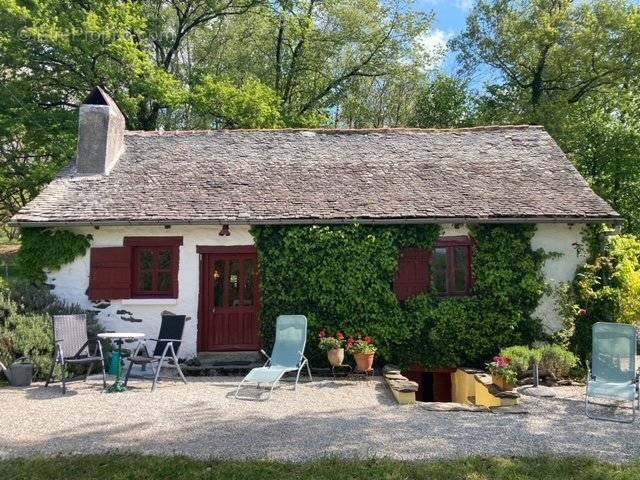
x,y
167,346
287,355
72,348
613,373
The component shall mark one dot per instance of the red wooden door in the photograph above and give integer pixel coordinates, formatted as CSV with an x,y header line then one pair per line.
x,y
230,301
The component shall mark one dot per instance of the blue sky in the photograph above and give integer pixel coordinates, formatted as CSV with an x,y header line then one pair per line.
x,y
449,20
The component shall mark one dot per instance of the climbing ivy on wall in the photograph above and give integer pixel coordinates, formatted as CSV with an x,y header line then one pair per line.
x,y
43,249
341,277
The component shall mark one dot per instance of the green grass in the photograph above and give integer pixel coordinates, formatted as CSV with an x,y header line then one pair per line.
x,y
138,467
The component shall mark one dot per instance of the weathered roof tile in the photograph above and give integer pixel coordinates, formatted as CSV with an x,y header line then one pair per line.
x,y
260,176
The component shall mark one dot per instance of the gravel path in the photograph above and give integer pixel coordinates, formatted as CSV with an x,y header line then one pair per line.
x,y
343,418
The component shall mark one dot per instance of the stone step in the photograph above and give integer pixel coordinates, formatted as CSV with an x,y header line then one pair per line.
x,y
226,357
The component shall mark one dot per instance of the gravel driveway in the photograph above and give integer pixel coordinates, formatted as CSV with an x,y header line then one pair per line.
x,y
326,418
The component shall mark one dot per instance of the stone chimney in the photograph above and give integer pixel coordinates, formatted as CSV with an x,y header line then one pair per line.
x,y
100,134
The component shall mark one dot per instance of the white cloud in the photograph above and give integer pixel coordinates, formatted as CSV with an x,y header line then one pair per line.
x,y
434,44
464,5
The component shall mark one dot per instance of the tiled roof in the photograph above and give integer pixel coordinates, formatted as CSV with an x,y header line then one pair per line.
x,y
262,176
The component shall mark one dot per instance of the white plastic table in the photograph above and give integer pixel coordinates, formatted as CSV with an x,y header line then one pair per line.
x,y
119,338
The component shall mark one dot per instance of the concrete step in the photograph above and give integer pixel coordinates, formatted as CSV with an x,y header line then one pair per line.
x,y
227,357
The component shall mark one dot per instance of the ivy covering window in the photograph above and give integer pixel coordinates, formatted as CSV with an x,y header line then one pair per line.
x,y
446,269
451,266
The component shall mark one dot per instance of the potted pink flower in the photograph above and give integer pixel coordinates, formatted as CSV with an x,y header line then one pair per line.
x,y
363,351
334,346
503,373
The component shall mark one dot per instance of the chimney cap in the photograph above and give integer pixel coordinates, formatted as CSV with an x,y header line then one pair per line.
x,y
99,96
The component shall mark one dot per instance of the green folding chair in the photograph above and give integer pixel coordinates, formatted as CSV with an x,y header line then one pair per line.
x,y
613,373
287,355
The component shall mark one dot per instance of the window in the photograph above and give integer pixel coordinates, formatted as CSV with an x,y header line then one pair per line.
x,y
446,269
154,262
451,266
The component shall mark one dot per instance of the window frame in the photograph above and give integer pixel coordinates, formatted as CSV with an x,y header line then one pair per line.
x,y
450,243
156,244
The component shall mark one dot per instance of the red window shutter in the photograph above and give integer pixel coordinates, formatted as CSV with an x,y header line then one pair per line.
x,y
110,274
412,276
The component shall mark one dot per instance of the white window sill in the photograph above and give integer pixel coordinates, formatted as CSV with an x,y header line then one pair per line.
x,y
150,301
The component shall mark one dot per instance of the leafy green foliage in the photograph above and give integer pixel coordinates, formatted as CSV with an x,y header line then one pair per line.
x,y
26,329
522,357
252,105
554,360
442,103
557,361
552,50
46,249
605,289
341,278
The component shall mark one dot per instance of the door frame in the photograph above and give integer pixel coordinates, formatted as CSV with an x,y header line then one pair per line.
x,y
202,250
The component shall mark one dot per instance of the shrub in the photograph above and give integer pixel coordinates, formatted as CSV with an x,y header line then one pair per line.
x,y
31,297
26,328
557,361
605,289
522,357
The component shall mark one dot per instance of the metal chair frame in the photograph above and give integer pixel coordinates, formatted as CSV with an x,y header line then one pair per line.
x,y
81,357
160,360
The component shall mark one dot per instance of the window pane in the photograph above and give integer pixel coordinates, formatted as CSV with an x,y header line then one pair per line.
x,y
218,284
439,269
460,280
164,281
146,259
164,259
145,283
460,256
234,283
249,273
460,274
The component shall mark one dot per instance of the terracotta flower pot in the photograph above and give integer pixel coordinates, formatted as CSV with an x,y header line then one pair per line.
x,y
364,361
500,382
335,356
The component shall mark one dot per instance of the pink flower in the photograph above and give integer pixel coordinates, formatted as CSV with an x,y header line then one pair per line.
x,y
368,339
582,312
322,334
340,336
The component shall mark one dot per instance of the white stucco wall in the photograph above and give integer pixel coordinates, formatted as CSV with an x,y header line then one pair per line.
x,y
72,281
561,239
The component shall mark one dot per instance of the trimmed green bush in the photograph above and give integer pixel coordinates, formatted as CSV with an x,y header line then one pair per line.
x,y
557,361
554,360
522,357
341,278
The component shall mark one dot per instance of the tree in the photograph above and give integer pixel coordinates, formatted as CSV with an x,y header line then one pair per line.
x,y
224,105
442,103
602,137
51,55
553,50
314,54
572,67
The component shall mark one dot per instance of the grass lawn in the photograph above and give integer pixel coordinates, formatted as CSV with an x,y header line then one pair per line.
x,y
140,467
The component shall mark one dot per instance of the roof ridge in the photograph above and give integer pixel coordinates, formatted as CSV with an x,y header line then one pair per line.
x,y
328,131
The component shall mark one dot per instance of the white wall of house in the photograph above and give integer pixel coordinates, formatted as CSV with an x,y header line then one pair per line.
x,y
561,239
143,315
72,280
